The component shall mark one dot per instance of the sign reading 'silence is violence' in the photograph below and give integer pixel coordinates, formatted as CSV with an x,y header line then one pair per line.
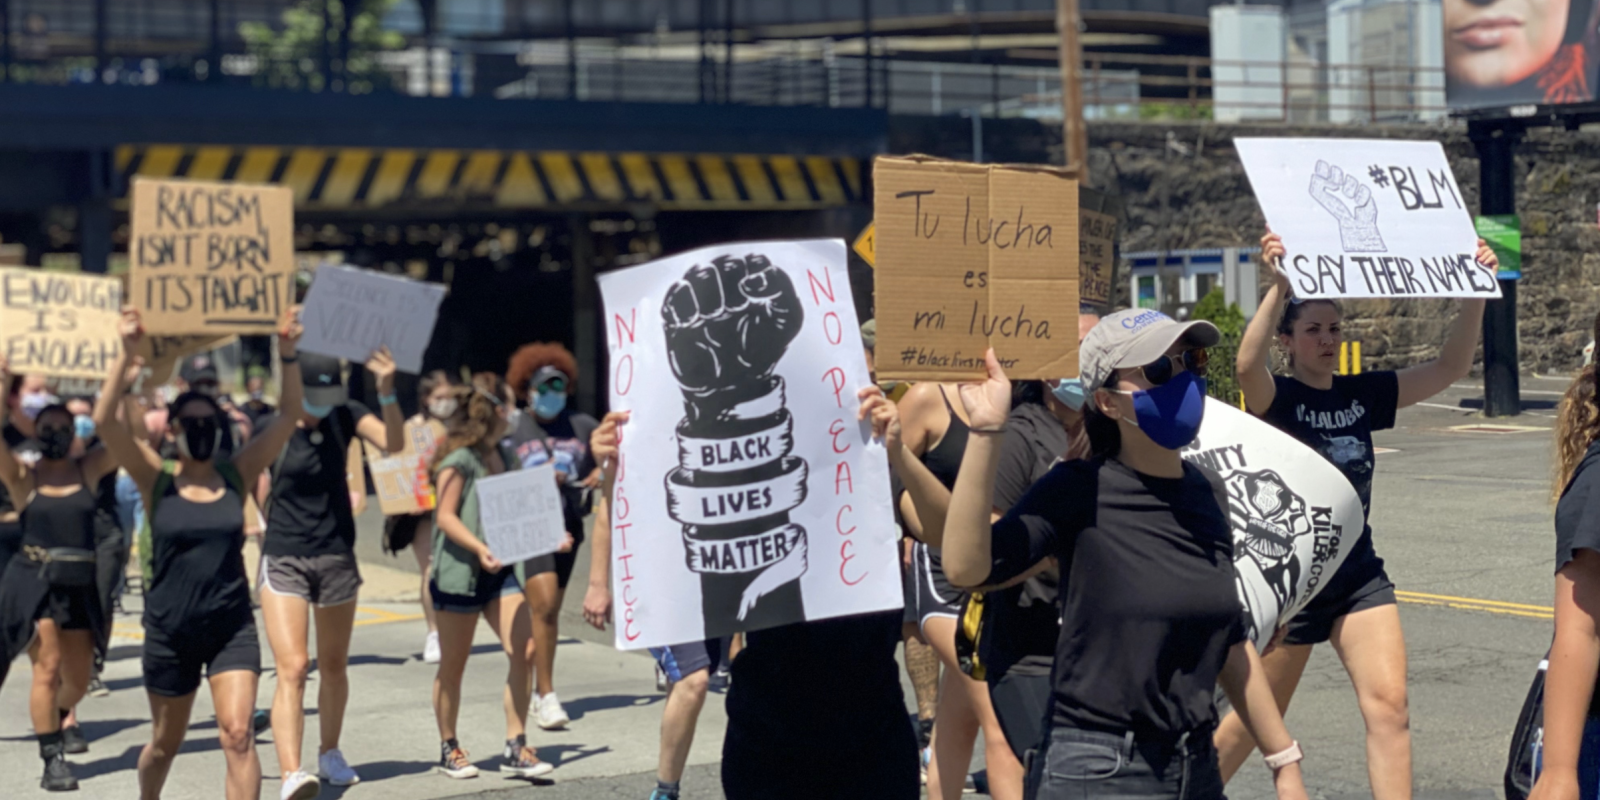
x,y
211,257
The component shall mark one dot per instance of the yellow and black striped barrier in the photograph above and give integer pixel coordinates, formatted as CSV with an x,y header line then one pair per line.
x,y
354,178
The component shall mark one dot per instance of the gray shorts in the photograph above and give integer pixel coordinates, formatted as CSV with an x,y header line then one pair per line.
x,y
330,580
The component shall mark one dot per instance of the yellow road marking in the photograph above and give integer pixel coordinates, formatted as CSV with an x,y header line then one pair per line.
x,y
1474,604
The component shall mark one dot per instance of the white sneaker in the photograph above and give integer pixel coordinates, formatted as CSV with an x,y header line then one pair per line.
x,y
550,715
298,785
332,767
430,648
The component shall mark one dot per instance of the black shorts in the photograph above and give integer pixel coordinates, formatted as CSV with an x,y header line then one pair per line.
x,y
934,596
172,661
69,607
1361,583
489,587
559,563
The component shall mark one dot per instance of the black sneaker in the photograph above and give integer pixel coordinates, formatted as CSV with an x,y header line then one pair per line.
x,y
72,741
519,760
58,776
98,688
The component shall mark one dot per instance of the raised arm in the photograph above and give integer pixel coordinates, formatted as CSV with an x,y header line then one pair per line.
x,y
1569,683
1255,347
1423,381
966,551
389,434
142,464
10,467
263,448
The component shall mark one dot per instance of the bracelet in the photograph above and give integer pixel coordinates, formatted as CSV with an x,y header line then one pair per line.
x,y
1292,755
991,431
288,359
387,400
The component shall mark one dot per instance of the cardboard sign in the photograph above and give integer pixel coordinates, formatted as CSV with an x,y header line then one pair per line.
x,y
351,312
402,481
748,495
972,256
1294,515
520,513
58,324
211,257
1503,232
1367,218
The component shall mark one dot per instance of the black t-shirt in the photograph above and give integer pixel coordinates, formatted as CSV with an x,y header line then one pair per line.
x,y
310,512
257,410
1338,422
1149,602
1026,619
565,440
1578,523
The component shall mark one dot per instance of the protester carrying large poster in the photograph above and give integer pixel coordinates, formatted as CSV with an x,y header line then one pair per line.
x,y
755,498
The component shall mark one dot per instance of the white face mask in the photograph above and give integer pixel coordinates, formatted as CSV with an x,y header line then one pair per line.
x,y
443,407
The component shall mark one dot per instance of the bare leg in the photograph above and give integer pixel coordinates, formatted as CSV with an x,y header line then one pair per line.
x,y
334,625
46,689
170,718
1284,665
77,667
685,698
955,726
922,666
1373,649
455,645
234,695
420,547
544,600
509,619
287,618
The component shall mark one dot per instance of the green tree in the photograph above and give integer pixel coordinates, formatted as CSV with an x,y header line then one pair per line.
x,y
291,55
1222,378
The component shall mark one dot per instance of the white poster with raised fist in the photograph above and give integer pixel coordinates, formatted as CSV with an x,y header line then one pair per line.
x,y
1294,515
748,495
1367,217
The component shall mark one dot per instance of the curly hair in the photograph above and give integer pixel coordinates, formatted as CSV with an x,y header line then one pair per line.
x,y
529,358
477,411
1577,422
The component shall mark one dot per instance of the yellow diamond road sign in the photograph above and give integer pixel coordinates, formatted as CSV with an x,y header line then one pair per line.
x,y
864,245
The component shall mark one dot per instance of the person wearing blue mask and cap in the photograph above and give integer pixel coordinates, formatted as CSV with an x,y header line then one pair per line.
x,y
308,561
544,376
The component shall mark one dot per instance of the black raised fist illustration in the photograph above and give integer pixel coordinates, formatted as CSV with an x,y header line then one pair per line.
x,y
729,323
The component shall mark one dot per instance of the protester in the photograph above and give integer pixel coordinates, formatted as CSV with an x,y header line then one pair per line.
x,y
197,611
1152,624
17,430
436,397
308,562
468,581
1336,415
47,593
198,373
255,385
544,376
936,434
1568,767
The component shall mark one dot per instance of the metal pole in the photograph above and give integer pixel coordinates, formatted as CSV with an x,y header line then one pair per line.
x,y
214,72
1497,145
866,41
727,51
327,46
100,38
5,41
572,51
1074,133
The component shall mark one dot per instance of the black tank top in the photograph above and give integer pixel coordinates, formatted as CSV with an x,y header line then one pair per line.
x,y
197,561
66,521
944,460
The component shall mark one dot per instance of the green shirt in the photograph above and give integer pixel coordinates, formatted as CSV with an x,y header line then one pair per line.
x,y
455,568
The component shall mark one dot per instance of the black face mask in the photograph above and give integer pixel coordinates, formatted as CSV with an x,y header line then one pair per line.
x,y
55,442
199,437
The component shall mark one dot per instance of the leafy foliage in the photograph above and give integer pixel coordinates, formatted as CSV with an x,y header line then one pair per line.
x,y
290,56
1222,379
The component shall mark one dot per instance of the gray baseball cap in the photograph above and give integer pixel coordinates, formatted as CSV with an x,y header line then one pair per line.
x,y
1135,337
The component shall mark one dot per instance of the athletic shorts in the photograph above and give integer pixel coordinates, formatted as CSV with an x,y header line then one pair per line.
x,y
329,580
685,659
490,587
1361,583
172,662
559,563
68,607
934,596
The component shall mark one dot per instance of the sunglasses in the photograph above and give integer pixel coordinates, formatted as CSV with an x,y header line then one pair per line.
x,y
551,386
1164,368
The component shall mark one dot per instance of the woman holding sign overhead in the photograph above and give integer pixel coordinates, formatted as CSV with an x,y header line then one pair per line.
x,y
1336,415
308,562
197,612
467,581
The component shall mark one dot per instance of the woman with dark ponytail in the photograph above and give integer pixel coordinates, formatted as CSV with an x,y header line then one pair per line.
x,y
1571,718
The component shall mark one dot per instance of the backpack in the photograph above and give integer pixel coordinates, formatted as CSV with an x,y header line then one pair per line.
x,y
169,471
1527,740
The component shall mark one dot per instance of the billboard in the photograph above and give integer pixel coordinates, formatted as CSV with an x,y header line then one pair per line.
x,y
1516,52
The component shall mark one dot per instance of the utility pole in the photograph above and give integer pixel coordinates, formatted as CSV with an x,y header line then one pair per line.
x,y
1075,135
1497,145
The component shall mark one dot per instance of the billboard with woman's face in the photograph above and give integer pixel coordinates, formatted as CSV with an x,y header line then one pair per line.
x,y
1515,52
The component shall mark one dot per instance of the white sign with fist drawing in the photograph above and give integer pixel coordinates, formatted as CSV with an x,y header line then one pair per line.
x,y
1367,218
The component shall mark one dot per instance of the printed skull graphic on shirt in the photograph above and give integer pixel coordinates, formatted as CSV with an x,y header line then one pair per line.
x,y
1273,518
727,326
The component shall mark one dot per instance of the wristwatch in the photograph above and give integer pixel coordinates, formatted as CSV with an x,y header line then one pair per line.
x,y
1292,755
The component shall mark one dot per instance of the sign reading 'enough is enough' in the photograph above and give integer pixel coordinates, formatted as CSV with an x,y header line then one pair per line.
x,y
211,257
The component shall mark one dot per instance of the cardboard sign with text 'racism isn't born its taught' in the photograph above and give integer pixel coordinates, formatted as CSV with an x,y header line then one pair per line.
x,y
972,256
211,257
58,324
1367,218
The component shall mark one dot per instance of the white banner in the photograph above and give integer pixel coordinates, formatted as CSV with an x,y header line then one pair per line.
x,y
1367,218
520,513
1294,515
351,312
748,496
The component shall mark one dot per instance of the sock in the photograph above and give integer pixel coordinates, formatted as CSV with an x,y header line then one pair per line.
x,y
446,746
49,745
668,788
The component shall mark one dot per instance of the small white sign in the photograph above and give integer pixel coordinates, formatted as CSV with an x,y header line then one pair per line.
x,y
351,312
1367,218
520,513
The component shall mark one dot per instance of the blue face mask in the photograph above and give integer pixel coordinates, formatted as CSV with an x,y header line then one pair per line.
x,y
83,427
1070,392
549,404
1170,414
316,411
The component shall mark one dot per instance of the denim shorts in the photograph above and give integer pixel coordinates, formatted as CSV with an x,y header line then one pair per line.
x,y
490,587
1078,764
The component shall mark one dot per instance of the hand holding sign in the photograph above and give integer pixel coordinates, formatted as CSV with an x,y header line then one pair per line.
x,y
381,365
988,403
